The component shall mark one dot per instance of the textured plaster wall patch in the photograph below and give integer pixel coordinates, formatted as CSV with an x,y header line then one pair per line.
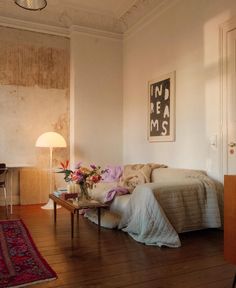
x,y
34,97
26,65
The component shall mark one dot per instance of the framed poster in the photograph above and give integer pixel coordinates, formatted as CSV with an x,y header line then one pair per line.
x,y
161,108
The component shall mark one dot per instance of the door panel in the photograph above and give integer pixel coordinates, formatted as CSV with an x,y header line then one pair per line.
x,y
231,101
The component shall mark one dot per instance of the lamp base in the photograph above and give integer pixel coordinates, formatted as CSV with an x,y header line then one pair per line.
x,y
50,205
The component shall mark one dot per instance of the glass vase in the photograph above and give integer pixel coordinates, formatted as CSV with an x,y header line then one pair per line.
x,y
84,194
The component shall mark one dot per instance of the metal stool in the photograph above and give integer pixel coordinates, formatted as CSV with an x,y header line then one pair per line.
x,y
3,175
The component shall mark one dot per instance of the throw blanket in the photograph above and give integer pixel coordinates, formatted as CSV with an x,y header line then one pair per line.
x,y
116,191
112,174
146,222
157,212
136,174
132,176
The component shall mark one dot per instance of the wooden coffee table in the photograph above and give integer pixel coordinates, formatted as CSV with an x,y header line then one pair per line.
x,y
74,208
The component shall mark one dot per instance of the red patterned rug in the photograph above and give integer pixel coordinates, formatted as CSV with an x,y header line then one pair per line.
x,y
20,261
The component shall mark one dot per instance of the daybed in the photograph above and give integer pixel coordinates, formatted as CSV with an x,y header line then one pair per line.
x,y
175,201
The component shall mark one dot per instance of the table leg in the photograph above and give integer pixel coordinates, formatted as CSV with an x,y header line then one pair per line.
x,y
77,213
234,282
55,211
11,180
72,225
99,217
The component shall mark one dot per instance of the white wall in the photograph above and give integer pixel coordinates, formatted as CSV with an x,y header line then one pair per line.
x,y
34,94
185,39
34,98
96,99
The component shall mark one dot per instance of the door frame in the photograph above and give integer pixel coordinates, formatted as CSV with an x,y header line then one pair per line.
x,y
225,28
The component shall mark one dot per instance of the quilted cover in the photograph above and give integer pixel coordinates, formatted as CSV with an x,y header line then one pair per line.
x,y
157,212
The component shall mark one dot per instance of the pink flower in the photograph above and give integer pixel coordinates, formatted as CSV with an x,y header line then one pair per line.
x,y
77,166
82,175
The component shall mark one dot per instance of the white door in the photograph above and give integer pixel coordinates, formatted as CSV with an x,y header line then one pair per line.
x,y
231,101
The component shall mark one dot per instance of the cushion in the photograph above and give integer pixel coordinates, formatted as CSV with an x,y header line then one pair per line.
x,y
163,174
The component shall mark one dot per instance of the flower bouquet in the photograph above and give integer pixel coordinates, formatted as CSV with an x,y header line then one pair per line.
x,y
85,177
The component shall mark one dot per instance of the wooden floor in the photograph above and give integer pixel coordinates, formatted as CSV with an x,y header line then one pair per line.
x,y
113,259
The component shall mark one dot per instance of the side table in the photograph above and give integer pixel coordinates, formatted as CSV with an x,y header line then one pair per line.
x,y
74,208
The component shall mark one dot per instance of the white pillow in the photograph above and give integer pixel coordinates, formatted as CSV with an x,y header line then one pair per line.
x,y
167,174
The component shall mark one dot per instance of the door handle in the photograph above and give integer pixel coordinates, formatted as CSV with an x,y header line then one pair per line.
x,y
232,144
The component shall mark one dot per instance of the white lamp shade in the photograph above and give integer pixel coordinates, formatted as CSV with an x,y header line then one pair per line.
x,y
32,4
50,139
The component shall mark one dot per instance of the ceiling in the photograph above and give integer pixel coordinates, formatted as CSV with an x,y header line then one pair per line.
x,y
115,16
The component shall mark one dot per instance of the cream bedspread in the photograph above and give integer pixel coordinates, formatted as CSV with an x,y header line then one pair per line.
x,y
157,212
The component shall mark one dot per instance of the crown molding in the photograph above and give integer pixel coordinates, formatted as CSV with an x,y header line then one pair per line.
x,y
149,17
138,10
58,31
95,32
141,13
35,27
91,20
122,10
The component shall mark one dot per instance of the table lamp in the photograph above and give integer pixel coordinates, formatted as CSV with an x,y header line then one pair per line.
x,y
50,140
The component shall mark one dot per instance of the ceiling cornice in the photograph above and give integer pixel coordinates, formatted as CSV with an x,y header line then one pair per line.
x,y
58,31
153,14
70,20
90,19
138,10
35,27
95,32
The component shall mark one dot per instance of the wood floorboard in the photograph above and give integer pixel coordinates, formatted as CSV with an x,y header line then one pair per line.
x,y
112,259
